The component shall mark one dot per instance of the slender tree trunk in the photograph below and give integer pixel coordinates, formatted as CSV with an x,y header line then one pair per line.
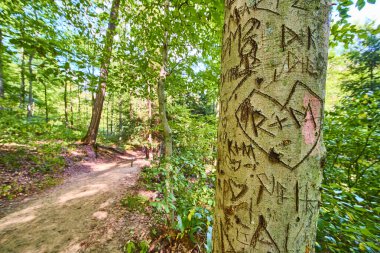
x,y
65,102
46,103
130,106
107,116
22,85
79,105
270,149
120,114
93,128
71,108
167,132
150,139
112,111
30,100
2,82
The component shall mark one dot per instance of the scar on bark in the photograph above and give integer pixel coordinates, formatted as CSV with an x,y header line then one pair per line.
x,y
274,156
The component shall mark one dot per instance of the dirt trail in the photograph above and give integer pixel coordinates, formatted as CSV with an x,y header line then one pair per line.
x,y
62,219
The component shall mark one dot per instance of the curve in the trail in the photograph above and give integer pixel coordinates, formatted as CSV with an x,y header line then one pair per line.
x,y
59,220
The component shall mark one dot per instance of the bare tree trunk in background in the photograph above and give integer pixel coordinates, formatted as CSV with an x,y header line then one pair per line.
x,y
120,114
30,108
112,111
107,115
46,103
167,132
130,106
270,149
150,114
93,128
2,82
71,108
79,104
22,84
65,102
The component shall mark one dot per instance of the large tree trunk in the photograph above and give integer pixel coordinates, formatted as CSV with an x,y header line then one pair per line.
x,y
167,132
92,132
30,108
270,149
2,82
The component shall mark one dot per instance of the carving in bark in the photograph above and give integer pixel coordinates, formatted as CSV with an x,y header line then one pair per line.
x,y
274,59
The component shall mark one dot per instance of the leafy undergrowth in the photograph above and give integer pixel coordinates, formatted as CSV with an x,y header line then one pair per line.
x,y
33,154
182,219
25,169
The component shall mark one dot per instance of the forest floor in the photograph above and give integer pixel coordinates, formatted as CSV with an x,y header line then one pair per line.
x,y
84,214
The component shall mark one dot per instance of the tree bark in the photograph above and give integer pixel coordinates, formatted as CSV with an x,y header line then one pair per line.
x,y
167,132
107,116
150,114
79,104
71,107
46,103
270,149
2,82
93,128
112,112
130,106
22,84
120,114
65,102
30,108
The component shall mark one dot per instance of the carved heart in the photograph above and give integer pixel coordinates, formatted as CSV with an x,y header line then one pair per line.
x,y
277,129
238,190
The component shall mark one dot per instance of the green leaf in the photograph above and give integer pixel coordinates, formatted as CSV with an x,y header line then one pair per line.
x,y
360,4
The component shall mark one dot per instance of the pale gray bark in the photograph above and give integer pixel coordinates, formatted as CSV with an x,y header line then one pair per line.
x,y
22,84
65,100
270,149
30,108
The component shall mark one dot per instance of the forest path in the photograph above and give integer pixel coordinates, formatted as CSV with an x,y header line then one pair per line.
x,y
64,218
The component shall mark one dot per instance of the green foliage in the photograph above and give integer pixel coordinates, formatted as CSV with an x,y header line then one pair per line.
x,y
342,30
133,247
134,203
349,221
193,224
33,150
185,182
350,213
